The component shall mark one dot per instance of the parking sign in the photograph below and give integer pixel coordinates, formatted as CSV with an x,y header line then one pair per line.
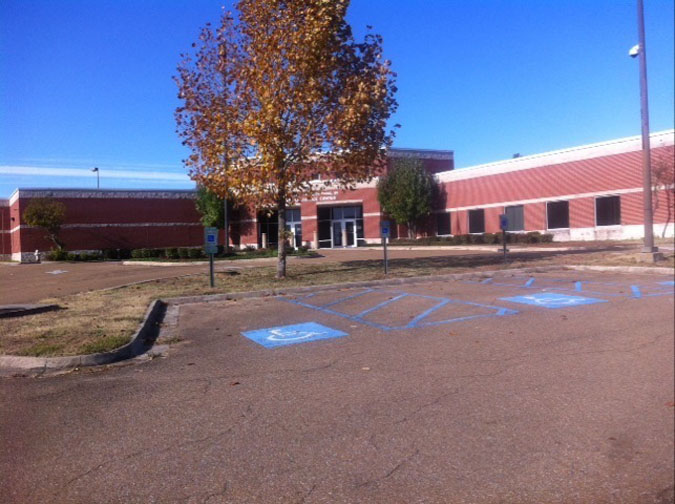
x,y
210,240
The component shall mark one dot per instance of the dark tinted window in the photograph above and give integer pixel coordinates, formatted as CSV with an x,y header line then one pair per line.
x,y
558,213
477,221
516,219
293,215
608,211
323,213
443,224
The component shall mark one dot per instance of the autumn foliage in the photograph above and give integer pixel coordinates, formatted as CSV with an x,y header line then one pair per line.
x,y
280,95
48,214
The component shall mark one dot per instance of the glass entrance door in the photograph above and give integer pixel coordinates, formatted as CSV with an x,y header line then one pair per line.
x,y
337,234
350,227
344,233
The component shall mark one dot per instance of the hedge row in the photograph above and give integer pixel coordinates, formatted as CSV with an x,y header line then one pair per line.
x,y
485,238
115,254
159,253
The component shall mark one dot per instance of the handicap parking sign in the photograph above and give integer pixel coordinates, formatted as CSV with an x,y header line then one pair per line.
x,y
553,300
272,337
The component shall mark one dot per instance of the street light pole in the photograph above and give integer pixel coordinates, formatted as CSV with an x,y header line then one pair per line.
x,y
646,153
98,185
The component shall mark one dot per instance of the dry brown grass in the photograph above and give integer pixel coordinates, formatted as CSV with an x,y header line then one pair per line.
x,y
102,320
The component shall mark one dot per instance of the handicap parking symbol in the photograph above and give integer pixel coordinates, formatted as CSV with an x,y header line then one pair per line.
x,y
272,337
553,300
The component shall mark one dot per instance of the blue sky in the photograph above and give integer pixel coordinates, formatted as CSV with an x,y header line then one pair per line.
x,y
88,83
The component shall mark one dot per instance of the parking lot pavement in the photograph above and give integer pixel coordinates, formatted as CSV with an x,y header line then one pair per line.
x,y
553,388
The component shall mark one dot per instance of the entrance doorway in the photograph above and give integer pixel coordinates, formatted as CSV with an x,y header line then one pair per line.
x,y
344,233
340,226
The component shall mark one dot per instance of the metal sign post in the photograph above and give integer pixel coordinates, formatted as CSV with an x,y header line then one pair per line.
x,y
503,225
384,232
211,248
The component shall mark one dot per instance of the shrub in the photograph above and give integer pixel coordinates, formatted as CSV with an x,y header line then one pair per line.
x,y
183,252
72,257
138,253
111,254
124,253
533,237
547,238
195,253
477,238
492,238
171,253
149,253
57,255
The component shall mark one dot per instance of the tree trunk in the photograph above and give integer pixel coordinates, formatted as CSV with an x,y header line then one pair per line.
x,y
412,231
226,227
281,245
669,211
55,239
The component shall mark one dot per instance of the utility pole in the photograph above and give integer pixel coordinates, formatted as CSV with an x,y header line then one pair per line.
x,y
649,247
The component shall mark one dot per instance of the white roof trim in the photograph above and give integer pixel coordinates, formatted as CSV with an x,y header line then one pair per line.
x,y
612,147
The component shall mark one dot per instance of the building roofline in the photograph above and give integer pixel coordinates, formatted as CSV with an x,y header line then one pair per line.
x,y
37,192
551,158
436,154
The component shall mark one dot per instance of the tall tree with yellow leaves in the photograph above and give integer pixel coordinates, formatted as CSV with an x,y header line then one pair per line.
x,y
279,96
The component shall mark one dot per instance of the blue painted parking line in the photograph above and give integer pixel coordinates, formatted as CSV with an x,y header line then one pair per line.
x,y
553,300
417,321
381,305
670,283
273,337
367,291
586,287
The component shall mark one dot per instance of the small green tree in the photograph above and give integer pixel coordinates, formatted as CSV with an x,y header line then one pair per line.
x,y
47,214
211,208
407,193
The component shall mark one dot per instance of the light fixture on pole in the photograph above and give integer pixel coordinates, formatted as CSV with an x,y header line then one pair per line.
x,y
98,184
640,51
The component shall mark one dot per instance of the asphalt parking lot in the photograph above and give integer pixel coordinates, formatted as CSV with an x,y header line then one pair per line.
x,y
553,388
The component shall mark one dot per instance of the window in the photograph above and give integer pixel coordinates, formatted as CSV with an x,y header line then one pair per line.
x,y
293,215
443,224
608,211
558,214
268,224
515,216
477,221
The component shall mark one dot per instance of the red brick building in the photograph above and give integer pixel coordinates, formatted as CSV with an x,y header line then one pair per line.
x,y
581,193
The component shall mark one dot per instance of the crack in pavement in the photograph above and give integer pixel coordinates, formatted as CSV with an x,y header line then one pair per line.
x,y
152,452
391,471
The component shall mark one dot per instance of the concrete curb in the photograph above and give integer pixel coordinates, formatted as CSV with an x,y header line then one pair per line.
x,y
214,298
8,311
481,248
217,262
140,343
624,269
